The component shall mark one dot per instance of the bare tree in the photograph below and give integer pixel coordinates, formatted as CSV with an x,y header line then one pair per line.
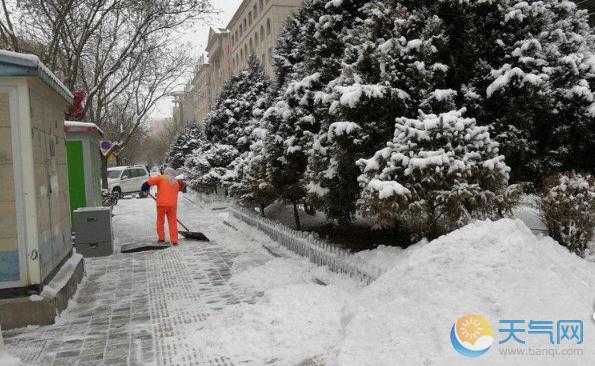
x,y
123,53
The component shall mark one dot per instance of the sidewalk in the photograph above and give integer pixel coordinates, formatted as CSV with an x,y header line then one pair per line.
x,y
135,309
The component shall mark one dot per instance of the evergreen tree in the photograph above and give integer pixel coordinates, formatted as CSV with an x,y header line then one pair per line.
x,y
232,112
187,140
390,68
437,173
228,128
295,117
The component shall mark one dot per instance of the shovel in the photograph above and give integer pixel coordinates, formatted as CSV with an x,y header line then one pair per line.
x,y
192,235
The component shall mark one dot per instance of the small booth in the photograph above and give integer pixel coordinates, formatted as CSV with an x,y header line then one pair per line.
x,y
84,164
35,233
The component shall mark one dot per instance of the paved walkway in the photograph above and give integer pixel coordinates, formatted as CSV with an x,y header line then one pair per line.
x,y
134,309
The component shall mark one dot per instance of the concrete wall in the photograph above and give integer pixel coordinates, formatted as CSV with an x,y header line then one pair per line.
x,y
51,175
9,257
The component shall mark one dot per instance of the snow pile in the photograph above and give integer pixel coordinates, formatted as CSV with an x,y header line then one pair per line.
x,y
8,360
499,270
383,257
5,358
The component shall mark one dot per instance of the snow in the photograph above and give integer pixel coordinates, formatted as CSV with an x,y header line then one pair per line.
x,y
82,125
383,257
61,278
387,189
476,269
497,269
342,128
5,358
8,360
444,94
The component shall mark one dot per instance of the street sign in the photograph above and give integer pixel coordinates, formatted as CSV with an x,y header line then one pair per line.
x,y
105,146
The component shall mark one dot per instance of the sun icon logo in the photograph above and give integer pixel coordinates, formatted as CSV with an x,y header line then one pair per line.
x,y
472,335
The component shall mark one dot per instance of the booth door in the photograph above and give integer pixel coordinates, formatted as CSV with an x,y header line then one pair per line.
x,y
76,175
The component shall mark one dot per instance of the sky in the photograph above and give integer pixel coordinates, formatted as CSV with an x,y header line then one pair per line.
x,y
197,40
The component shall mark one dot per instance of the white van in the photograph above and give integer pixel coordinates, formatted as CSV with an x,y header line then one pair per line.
x,y
123,180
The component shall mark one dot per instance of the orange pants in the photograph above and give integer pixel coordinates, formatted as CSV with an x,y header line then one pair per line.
x,y
172,223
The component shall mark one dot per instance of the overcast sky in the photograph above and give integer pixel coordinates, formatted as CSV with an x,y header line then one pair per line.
x,y
197,40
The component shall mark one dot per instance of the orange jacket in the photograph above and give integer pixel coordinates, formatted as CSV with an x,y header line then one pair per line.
x,y
167,193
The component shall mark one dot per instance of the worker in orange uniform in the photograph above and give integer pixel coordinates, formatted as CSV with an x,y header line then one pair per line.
x,y
168,187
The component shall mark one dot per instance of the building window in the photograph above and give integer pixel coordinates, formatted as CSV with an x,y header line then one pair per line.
x,y
255,11
256,39
241,30
262,32
245,25
261,5
268,27
249,18
246,50
270,55
251,46
264,60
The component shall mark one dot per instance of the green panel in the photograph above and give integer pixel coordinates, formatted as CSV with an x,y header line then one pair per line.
x,y
76,175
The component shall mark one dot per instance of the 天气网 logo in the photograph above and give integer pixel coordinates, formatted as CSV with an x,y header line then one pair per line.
x,y
472,335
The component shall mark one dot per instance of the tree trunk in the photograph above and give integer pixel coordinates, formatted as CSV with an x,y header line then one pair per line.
x,y
296,216
262,210
104,172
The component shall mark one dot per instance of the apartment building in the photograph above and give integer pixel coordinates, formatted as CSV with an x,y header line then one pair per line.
x,y
253,30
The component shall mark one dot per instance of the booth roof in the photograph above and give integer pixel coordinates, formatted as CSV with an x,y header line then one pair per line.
x,y
21,64
78,126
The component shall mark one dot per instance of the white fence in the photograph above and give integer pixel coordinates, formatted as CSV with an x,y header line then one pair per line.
x,y
305,244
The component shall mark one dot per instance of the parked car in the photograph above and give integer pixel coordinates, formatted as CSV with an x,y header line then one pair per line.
x,y
122,180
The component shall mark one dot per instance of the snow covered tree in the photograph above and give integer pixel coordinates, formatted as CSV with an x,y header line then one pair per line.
x,y
207,166
187,140
568,209
541,96
437,173
232,112
390,68
228,128
249,170
306,63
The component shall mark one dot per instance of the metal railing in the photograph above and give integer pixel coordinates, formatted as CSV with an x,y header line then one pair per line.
x,y
305,244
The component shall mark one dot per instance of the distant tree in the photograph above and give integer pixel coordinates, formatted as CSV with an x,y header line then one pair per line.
x,y
190,138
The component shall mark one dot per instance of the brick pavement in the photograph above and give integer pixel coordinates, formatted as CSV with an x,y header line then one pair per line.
x,y
135,309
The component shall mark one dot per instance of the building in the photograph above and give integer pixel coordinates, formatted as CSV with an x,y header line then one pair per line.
x,y
253,30
35,231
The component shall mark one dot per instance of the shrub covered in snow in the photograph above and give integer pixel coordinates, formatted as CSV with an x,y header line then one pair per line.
x,y
568,208
437,173
206,168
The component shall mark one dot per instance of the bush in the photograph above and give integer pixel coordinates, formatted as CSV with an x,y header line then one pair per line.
x,y
439,172
568,209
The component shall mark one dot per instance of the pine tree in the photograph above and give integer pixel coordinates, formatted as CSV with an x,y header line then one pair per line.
x,y
228,128
541,96
232,112
296,118
390,68
187,140
250,185
438,172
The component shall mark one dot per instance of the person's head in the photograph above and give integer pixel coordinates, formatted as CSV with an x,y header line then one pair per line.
x,y
171,174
